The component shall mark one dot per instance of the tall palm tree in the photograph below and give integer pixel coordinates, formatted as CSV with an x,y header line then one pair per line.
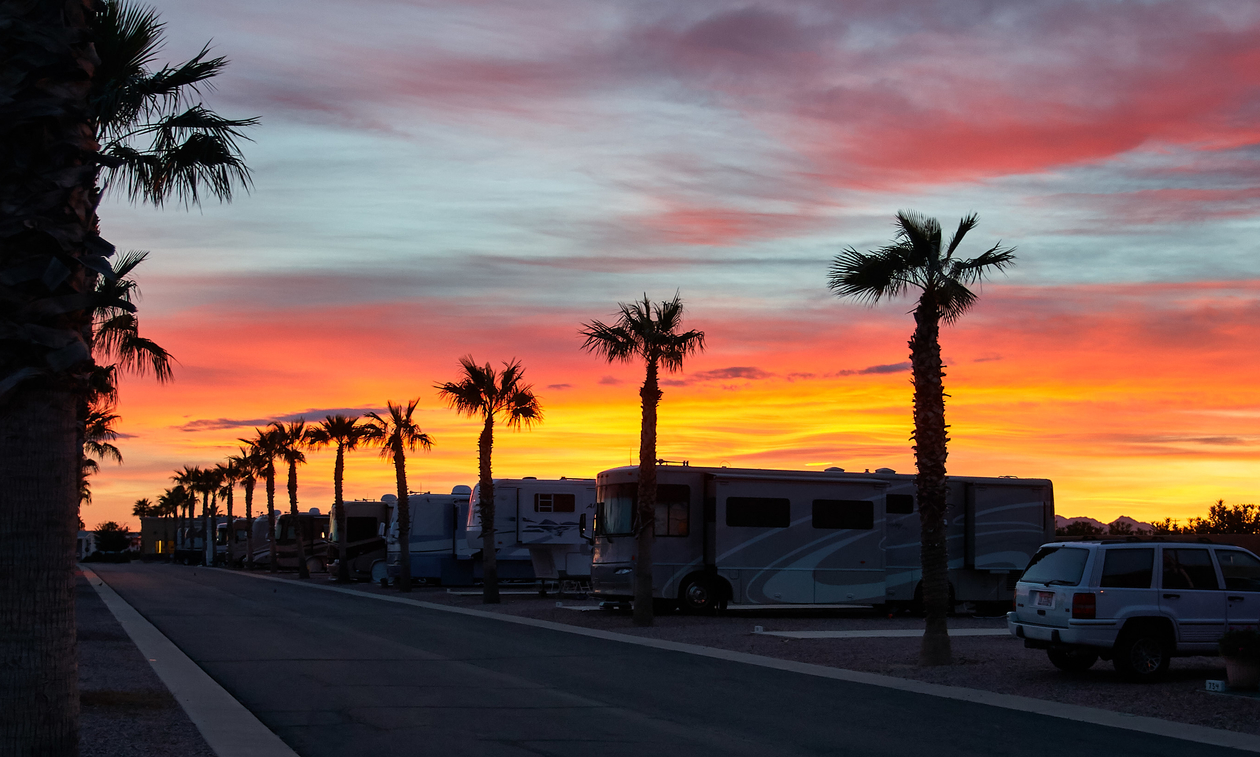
x,y
917,260
649,332
291,439
347,433
56,122
266,446
229,474
249,465
192,479
396,433
483,391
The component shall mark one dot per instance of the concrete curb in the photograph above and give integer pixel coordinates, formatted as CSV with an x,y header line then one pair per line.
x,y
1154,726
225,724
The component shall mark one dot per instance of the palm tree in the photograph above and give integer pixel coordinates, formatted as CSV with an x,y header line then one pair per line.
x,y
483,391
290,439
63,78
347,433
144,508
915,259
397,433
648,332
266,446
249,465
229,474
98,436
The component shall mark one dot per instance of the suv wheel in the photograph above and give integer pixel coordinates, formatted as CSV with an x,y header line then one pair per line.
x,y
1142,654
1072,660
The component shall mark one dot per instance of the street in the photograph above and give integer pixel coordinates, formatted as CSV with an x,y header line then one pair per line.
x,y
337,674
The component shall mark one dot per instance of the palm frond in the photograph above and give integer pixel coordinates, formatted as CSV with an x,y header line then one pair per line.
x,y
869,276
997,258
965,225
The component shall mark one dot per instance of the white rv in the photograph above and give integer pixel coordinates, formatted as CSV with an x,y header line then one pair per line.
x,y
539,520
536,525
752,536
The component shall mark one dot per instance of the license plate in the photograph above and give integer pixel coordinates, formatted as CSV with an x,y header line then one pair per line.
x,y
1044,599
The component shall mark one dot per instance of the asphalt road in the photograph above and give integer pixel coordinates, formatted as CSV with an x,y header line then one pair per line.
x,y
334,674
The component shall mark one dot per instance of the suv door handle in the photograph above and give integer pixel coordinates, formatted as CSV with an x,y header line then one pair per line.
x,y
1172,596
1234,599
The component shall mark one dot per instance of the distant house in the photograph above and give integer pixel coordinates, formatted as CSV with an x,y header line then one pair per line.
x,y
157,538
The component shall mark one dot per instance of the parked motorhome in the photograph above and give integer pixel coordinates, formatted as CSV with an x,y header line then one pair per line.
x,y
751,536
366,523
536,524
314,530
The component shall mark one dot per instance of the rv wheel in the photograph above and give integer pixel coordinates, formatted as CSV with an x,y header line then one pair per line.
x,y
699,595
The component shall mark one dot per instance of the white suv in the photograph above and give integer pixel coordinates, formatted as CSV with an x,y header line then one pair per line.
x,y
1137,603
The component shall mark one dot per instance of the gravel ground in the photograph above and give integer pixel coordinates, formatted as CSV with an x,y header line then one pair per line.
x,y
992,663
126,709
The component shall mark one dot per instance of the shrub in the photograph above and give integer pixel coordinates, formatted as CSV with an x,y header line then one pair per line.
x,y
1241,644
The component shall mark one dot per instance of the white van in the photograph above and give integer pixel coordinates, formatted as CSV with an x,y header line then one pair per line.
x,y
1136,603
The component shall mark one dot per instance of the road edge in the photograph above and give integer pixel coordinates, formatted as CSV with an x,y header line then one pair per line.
x,y
228,727
1079,713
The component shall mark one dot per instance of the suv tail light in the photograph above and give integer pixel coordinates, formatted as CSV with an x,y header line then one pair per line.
x,y
1084,606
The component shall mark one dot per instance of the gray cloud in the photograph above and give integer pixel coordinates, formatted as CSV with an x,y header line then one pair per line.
x,y
734,372
874,369
559,387
313,415
610,381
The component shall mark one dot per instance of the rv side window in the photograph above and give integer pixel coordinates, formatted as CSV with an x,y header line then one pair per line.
x,y
899,504
758,512
553,503
844,513
673,510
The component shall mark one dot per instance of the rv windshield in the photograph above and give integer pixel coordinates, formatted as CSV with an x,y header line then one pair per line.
x,y
616,515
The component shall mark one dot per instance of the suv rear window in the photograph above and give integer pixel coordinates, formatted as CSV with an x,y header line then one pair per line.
x,y
1241,570
1062,566
1128,568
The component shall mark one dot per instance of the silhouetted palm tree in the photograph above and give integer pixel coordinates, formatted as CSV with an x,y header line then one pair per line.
x,y
916,260
347,433
229,474
396,433
249,466
483,391
291,439
143,508
648,332
266,447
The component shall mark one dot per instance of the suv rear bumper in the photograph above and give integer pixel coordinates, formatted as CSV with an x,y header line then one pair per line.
x,y
1100,634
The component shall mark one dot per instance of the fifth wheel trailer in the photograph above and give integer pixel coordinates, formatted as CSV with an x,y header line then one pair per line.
x,y
750,536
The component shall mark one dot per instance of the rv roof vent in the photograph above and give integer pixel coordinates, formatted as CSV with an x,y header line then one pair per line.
x,y
835,470
885,470
389,499
461,489
314,511
529,478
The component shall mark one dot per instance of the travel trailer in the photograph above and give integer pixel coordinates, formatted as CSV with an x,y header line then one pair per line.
x,y
749,536
536,525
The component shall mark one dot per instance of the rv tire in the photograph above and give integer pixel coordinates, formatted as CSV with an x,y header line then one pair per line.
x,y
701,594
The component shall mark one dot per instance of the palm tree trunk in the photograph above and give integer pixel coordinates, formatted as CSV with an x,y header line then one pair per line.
x,y
271,515
205,526
339,514
303,572
489,552
249,523
231,527
39,698
404,521
930,450
650,395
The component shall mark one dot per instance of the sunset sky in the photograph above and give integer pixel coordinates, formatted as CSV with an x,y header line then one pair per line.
x,y
477,177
